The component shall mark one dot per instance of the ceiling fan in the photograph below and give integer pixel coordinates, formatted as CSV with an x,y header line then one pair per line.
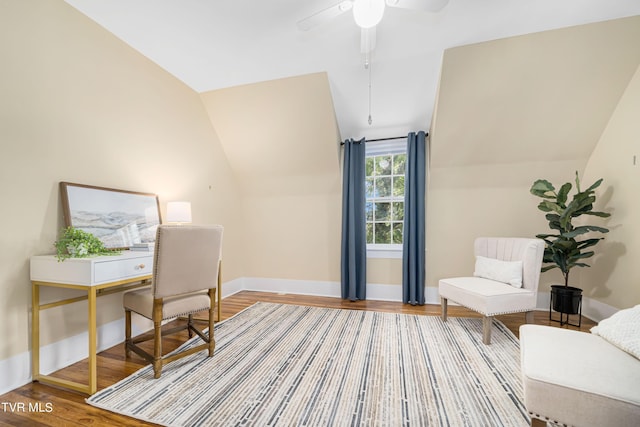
x,y
367,13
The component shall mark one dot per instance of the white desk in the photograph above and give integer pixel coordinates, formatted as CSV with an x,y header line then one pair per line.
x,y
97,276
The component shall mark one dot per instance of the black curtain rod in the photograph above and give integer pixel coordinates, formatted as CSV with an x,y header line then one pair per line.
x,y
385,139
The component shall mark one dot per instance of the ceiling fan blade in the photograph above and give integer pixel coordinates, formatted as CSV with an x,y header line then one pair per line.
x,y
325,15
424,5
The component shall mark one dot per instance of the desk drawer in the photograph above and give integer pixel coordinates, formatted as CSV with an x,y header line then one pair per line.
x,y
110,271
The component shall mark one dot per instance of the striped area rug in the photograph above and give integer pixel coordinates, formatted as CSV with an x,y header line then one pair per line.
x,y
278,364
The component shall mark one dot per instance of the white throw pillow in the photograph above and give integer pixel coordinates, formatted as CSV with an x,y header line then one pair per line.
x,y
622,330
509,272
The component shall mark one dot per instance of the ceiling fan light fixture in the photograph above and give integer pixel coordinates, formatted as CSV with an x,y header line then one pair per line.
x,y
368,13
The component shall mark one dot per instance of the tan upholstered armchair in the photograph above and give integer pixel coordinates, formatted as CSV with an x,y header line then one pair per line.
x,y
505,280
186,276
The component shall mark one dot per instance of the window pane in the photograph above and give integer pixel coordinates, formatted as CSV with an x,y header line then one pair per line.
x,y
383,187
368,165
383,165
383,233
398,186
383,211
368,188
399,161
398,211
397,233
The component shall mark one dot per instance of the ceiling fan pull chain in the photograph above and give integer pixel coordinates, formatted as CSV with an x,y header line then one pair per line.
x,y
370,66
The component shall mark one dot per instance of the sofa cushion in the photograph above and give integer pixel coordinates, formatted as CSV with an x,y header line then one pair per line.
x,y
577,378
622,330
485,296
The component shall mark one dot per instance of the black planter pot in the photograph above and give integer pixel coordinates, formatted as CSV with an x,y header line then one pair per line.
x,y
566,299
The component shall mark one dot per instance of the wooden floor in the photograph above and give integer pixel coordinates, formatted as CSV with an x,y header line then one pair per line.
x,y
58,407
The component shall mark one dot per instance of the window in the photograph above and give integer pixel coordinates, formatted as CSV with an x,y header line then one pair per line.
x,y
384,209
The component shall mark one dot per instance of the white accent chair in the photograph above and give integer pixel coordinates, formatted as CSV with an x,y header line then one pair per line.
x,y
491,297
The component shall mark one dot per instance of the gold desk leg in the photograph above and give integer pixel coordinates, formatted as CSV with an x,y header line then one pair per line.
x,y
35,332
93,374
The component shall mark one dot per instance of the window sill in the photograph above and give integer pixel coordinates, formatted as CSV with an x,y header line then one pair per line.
x,y
384,252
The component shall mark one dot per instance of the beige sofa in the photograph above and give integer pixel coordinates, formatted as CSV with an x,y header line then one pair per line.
x,y
578,379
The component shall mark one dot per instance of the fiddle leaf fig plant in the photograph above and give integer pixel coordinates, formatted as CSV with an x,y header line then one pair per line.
x,y
76,243
566,246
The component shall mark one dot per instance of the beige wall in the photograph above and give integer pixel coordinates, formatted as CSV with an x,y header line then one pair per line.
x,y
485,200
614,276
515,110
282,141
281,138
78,105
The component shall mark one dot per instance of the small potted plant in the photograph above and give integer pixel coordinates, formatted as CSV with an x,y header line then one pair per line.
x,y
76,243
567,246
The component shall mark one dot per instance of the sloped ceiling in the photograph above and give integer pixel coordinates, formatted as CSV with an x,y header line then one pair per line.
x,y
215,44
512,94
280,136
535,98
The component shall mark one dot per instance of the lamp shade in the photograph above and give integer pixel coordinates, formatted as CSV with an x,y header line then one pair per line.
x,y
368,13
179,212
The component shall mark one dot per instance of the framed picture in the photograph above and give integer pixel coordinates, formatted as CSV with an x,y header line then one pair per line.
x,y
119,218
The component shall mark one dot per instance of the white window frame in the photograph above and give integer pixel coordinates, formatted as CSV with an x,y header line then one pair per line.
x,y
379,148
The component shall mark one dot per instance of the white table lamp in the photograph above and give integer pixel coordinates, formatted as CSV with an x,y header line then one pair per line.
x,y
179,212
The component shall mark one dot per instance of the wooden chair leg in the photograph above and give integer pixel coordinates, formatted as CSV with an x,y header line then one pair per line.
x,y
190,325
443,305
212,341
157,337
486,329
157,349
127,333
528,317
218,291
535,422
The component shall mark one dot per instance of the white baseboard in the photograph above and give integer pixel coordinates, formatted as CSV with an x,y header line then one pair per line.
x,y
55,356
16,372
232,287
17,369
375,291
591,309
596,310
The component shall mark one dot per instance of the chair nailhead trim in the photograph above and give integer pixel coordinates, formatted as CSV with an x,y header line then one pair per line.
x,y
495,314
187,313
